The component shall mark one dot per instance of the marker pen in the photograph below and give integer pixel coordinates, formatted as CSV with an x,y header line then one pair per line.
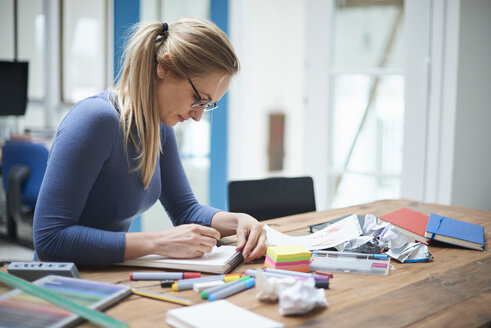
x,y
234,289
232,277
297,274
204,294
164,275
253,273
188,283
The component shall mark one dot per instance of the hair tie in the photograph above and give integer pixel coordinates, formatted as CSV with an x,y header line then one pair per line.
x,y
165,30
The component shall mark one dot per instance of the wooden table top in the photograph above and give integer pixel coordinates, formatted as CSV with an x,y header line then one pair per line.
x,y
452,291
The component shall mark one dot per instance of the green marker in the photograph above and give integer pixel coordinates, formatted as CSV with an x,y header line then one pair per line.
x,y
31,289
204,294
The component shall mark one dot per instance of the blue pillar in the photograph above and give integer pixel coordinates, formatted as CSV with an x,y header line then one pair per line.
x,y
126,14
219,132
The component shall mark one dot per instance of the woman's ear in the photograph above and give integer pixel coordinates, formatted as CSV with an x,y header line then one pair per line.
x,y
162,71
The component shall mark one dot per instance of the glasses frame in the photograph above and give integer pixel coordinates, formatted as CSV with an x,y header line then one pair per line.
x,y
208,107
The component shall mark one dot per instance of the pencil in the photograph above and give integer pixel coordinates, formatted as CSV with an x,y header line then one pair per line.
x,y
161,297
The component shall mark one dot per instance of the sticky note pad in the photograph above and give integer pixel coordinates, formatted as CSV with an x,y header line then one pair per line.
x,y
291,257
288,253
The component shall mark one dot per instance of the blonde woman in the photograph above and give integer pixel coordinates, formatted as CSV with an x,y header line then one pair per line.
x,y
115,155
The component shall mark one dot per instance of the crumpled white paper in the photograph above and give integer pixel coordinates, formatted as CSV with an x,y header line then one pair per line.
x,y
295,296
301,298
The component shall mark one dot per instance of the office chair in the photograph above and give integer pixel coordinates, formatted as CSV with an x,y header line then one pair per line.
x,y
23,167
273,197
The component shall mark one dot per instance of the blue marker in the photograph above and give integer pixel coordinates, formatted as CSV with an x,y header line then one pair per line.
x,y
232,289
204,294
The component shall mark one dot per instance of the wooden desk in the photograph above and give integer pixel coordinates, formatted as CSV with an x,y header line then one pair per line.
x,y
452,291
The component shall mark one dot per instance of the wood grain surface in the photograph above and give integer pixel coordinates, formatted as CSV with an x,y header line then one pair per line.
x,y
452,291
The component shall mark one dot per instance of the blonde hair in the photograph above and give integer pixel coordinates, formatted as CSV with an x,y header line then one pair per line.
x,y
195,47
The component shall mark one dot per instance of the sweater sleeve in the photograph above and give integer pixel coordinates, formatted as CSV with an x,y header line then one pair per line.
x,y
177,196
83,142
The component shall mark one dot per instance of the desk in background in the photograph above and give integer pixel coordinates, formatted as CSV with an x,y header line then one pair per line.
x,y
452,291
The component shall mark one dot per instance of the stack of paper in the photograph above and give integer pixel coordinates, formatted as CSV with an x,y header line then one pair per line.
x,y
290,257
218,314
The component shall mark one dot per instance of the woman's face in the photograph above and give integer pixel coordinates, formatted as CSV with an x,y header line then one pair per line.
x,y
175,95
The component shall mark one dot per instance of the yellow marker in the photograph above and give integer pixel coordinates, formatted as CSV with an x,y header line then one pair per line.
x,y
232,277
162,297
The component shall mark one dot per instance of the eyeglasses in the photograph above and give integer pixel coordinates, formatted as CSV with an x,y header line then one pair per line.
x,y
208,106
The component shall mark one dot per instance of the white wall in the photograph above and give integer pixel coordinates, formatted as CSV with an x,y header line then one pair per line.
x,y
472,153
268,37
447,147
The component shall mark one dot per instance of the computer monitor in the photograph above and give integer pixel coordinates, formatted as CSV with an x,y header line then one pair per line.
x,y
13,88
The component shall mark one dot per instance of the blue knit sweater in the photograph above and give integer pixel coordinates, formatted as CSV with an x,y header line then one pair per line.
x,y
89,198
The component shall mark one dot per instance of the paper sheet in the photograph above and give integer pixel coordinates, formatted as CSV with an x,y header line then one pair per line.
x,y
330,236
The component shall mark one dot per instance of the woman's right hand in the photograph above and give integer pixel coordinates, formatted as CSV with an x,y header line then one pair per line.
x,y
183,241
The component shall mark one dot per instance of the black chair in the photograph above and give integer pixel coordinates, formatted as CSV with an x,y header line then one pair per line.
x,y
23,168
272,198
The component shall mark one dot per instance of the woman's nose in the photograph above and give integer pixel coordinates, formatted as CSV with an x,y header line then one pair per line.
x,y
197,113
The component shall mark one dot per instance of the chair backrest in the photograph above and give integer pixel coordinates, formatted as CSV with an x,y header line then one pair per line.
x,y
272,197
33,155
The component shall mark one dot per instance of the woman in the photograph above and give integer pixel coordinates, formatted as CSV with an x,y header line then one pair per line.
x,y
115,155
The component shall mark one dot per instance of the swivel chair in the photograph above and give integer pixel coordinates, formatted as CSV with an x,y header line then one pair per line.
x,y
272,197
23,167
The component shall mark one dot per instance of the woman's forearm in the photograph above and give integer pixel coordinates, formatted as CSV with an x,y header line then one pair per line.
x,y
138,244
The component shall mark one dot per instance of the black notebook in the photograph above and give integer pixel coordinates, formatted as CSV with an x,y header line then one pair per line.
x,y
222,259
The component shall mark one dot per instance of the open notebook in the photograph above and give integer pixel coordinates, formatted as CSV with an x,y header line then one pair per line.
x,y
222,259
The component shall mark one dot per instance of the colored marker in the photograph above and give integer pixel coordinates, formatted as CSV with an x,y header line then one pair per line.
x,y
297,274
200,286
322,284
232,277
188,283
234,289
323,273
354,255
253,273
161,297
164,275
204,294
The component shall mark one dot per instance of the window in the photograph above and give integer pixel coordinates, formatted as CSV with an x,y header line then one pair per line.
x,y
84,49
367,101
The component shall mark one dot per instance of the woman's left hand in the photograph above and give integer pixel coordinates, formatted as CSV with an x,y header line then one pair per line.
x,y
251,237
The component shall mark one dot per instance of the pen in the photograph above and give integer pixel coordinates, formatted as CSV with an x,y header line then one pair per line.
x,y
234,289
352,255
297,274
188,283
204,294
253,273
164,275
161,297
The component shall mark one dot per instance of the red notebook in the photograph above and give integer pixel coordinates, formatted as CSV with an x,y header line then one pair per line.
x,y
410,222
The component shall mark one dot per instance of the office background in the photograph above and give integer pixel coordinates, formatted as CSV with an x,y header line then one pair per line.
x,y
378,99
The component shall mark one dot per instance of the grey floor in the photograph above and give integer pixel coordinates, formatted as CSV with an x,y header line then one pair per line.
x,y
10,252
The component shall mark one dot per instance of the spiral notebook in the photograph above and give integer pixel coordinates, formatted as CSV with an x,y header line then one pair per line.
x,y
222,259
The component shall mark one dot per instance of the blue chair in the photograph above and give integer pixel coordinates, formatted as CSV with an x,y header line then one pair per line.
x,y
23,167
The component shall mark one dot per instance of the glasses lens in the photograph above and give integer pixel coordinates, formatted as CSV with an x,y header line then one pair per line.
x,y
210,107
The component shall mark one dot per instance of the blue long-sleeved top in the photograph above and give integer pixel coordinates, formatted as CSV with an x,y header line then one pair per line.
x,y
88,197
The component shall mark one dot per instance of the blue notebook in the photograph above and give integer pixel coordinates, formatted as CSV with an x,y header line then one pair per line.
x,y
455,232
